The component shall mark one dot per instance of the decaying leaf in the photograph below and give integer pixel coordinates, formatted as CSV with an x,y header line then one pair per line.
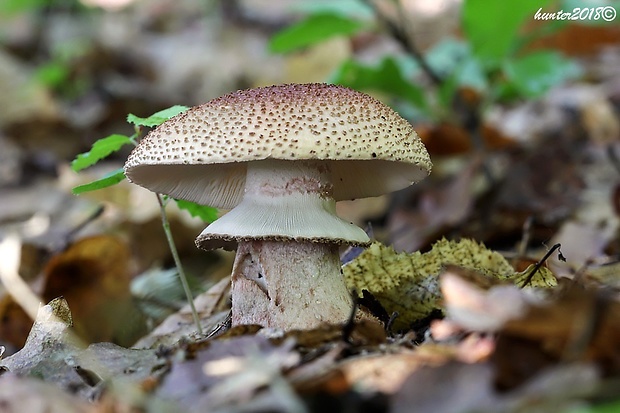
x,y
460,387
474,309
47,339
93,274
542,277
212,307
408,283
14,324
229,372
579,325
53,354
49,342
20,394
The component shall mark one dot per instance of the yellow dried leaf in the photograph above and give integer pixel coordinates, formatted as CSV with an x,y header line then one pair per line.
x,y
543,278
409,283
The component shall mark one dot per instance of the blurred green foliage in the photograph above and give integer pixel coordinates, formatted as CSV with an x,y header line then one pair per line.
x,y
11,7
315,28
490,58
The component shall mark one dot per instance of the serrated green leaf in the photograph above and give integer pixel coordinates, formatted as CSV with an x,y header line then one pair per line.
x,y
110,179
100,149
158,118
534,74
386,77
206,213
492,26
313,29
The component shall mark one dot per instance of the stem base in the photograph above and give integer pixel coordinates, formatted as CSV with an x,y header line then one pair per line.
x,y
288,285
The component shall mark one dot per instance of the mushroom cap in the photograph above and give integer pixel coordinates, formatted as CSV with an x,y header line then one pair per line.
x,y
201,154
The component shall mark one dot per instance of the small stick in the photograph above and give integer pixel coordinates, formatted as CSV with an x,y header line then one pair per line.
x,y
525,238
348,328
96,214
393,317
613,157
401,35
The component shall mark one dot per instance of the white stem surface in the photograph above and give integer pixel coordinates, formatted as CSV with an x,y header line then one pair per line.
x,y
287,269
288,285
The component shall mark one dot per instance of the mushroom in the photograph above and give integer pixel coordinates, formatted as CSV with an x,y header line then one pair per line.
x,y
280,157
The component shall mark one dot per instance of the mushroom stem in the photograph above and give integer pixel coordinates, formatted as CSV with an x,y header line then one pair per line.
x,y
281,278
288,285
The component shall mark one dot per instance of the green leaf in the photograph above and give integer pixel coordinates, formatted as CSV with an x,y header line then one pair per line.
x,y
11,7
100,149
158,118
206,213
492,27
386,77
110,179
52,74
534,74
313,29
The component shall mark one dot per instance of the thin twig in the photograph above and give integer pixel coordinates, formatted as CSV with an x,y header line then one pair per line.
x,y
93,216
399,33
613,157
472,120
390,323
526,236
348,328
541,262
177,262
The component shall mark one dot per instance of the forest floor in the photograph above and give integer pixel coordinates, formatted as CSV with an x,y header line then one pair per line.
x,y
452,331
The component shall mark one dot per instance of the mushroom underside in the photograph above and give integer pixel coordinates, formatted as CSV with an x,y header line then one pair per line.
x,y
287,269
222,185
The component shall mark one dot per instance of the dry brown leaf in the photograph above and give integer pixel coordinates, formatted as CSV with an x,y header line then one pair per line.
x,y
475,309
384,372
580,325
576,38
48,339
21,394
93,275
53,354
460,387
14,323
228,372
447,139
213,309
